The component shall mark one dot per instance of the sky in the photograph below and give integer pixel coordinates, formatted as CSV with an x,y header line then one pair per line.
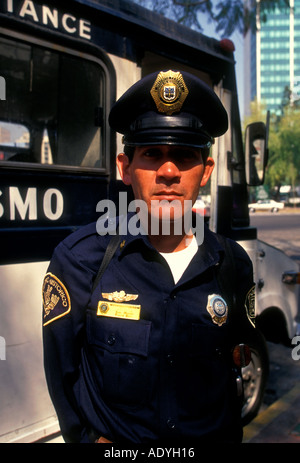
x,y
237,38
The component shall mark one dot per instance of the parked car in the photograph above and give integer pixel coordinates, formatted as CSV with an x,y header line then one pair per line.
x,y
266,205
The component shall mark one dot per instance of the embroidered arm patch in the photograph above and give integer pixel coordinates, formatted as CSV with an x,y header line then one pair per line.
x,y
250,305
56,299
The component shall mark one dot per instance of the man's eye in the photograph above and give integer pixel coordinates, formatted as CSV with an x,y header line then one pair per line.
x,y
151,153
191,154
186,155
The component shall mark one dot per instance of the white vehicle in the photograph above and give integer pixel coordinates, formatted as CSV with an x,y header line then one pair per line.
x,y
62,68
266,205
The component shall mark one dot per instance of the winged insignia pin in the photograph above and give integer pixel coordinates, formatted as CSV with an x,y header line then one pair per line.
x,y
120,296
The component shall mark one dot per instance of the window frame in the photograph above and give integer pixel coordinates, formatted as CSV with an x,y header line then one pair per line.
x,y
89,52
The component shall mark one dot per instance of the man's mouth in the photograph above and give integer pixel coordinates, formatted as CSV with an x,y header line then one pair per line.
x,y
168,195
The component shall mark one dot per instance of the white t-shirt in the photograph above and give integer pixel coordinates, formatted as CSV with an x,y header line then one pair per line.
x,y
179,261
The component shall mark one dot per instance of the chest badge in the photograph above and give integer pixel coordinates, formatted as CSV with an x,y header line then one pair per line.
x,y
217,308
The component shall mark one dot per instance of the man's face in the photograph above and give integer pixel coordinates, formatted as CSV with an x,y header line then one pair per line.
x,y
164,172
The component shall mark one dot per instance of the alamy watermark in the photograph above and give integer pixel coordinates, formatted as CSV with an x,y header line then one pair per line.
x,y
2,88
2,348
165,217
296,349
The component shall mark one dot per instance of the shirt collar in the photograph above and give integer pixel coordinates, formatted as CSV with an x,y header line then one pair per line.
x,y
209,251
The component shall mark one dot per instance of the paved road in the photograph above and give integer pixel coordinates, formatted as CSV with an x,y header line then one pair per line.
x,y
279,418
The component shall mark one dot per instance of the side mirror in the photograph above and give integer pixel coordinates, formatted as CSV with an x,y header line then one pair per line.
x,y
256,152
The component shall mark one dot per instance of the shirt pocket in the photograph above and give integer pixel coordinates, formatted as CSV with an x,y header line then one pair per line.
x,y
120,351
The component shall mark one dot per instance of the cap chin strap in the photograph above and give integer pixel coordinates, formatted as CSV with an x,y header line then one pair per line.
x,y
174,141
162,122
181,130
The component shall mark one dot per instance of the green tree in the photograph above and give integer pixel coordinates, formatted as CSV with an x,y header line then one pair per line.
x,y
258,112
228,16
286,158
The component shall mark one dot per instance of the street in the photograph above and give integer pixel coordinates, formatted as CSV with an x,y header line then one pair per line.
x,y
281,230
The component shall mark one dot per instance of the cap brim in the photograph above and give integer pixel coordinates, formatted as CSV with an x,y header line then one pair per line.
x,y
168,137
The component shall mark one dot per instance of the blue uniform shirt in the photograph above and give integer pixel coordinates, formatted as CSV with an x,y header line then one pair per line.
x,y
154,368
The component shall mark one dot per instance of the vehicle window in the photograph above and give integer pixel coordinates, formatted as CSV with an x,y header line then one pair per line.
x,y
53,101
14,138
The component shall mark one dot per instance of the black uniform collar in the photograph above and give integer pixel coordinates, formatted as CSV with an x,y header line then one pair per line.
x,y
209,253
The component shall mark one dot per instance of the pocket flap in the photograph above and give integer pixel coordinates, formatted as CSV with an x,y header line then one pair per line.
x,y
118,335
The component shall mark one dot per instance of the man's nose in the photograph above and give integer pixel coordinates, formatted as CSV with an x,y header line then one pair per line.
x,y
169,170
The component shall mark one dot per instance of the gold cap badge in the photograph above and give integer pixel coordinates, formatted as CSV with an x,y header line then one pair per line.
x,y
169,92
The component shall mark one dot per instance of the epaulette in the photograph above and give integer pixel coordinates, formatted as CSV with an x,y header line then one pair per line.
x,y
104,227
80,234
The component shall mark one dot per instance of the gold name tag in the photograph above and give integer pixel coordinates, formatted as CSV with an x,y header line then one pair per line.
x,y
115,310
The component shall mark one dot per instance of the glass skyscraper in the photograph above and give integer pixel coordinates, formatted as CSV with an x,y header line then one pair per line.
x,y
272,58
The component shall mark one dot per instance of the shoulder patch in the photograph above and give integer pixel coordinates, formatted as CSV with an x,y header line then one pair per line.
x,y
250,305
56,299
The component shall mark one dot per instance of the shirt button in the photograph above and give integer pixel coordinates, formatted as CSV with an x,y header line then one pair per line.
x,y
171,424
111,339
170,359
218,353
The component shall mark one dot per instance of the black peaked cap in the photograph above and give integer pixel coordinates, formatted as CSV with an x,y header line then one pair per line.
x,y
195,120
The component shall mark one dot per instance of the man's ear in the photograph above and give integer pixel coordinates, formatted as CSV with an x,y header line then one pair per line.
x,y
208,168
123,167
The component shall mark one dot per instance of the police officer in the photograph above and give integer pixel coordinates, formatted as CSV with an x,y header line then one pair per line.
x,y
145,356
